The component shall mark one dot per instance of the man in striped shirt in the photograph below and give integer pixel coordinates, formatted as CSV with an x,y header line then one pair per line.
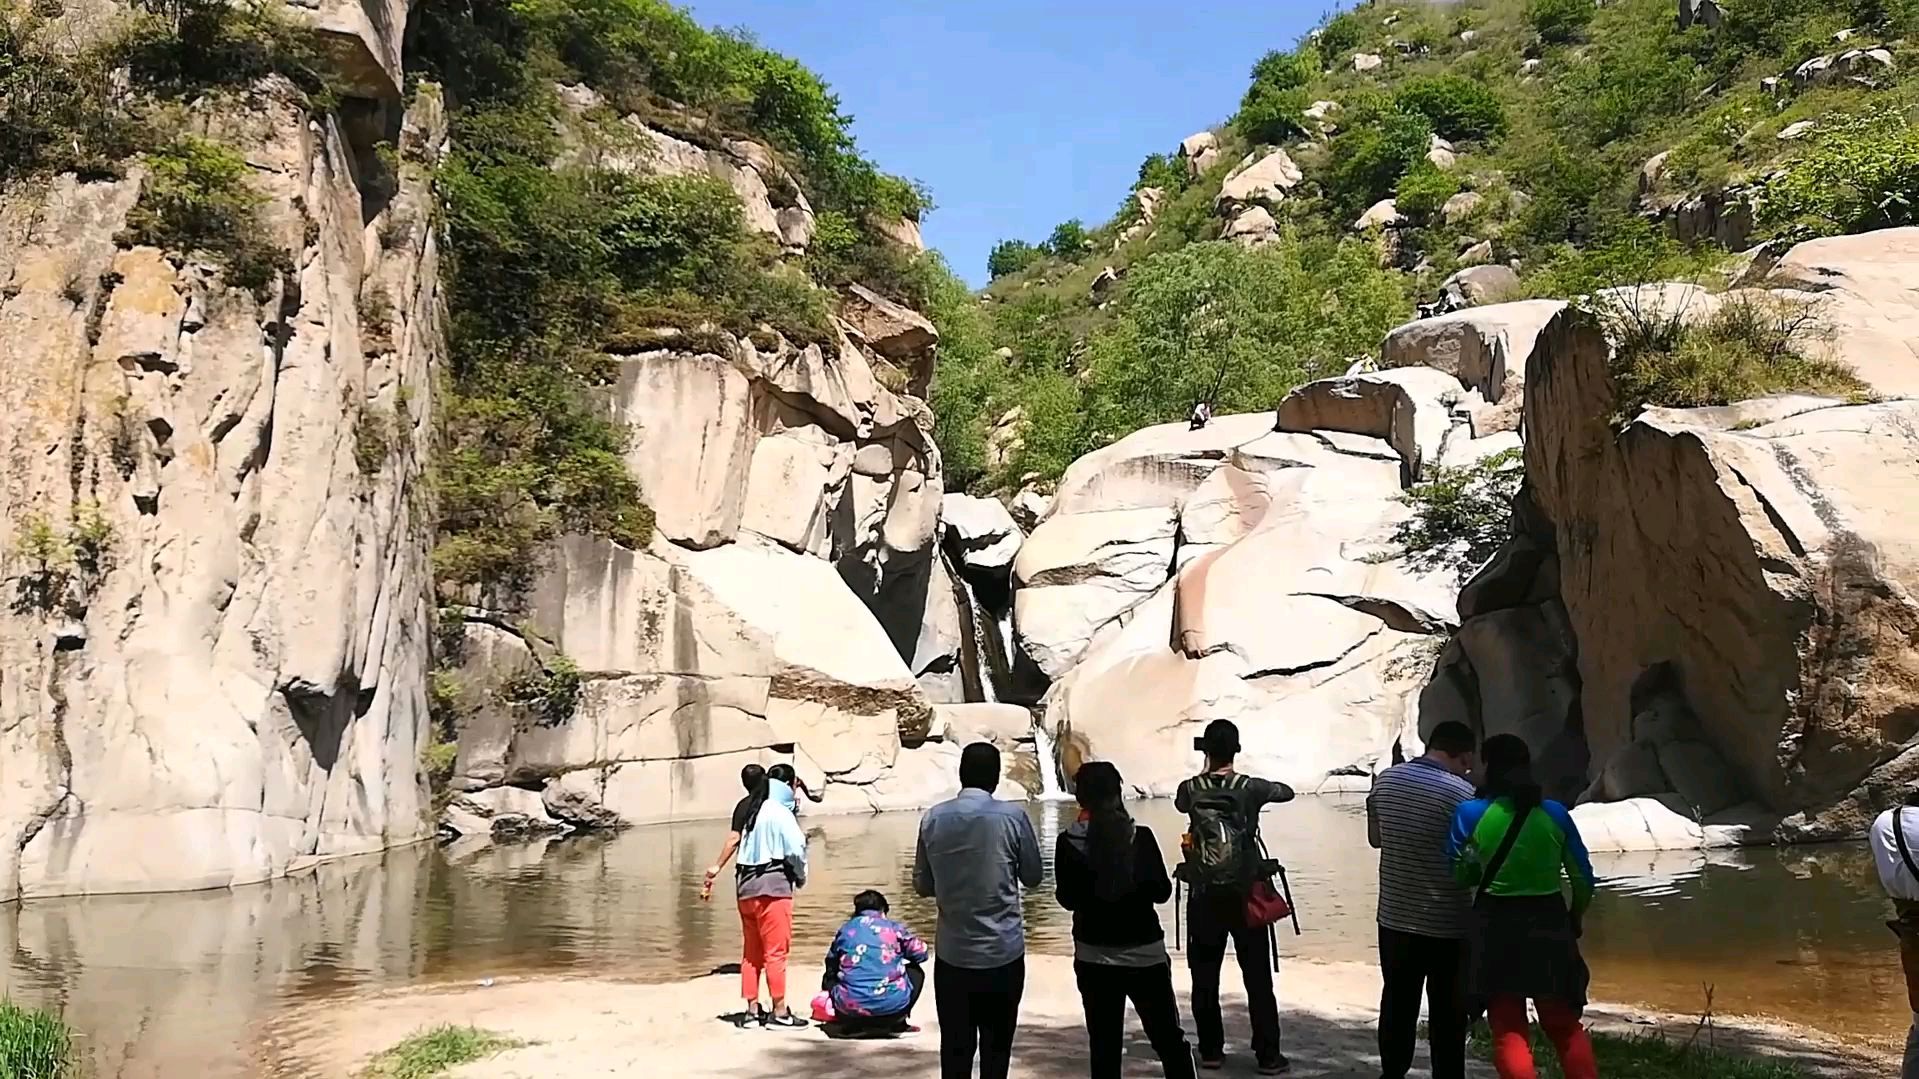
x,y
1422,909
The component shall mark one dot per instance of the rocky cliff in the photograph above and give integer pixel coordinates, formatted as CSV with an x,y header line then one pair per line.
x,y
232,647
213,510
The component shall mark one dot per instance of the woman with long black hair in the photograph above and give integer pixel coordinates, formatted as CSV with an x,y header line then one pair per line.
x,y
1109,872
1513,845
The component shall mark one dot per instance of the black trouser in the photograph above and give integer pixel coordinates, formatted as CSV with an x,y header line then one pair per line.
x,y
1104,991
1409,962
977,1008
1214,920
855,1024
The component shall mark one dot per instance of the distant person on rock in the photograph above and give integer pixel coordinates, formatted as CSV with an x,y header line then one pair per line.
x,y
1423,910
874,972
772,867
1512,847
1109,872
751,777
974,853
1202,415
1895,849
1222,860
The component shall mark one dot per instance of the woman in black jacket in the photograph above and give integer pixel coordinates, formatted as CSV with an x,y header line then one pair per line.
x,y
1109,872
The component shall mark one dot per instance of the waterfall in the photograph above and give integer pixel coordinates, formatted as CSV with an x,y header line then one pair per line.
x,y
1049,784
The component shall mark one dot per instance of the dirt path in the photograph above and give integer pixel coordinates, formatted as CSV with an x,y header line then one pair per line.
x,y
595,1027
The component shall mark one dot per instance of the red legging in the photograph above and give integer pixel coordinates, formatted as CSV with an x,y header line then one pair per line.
x,y
1512,1038
767,924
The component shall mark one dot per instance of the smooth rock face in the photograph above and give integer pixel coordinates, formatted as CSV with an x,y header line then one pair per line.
x,y
1408,407
984,529
1265,180
1863,285
1232,572
230,679
1764,574
1199,151
1485,348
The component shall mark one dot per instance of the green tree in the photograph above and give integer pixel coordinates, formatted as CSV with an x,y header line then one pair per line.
x,y
1011,256
1860,172
1460,516
1423,190
1215,321
1070,240
1559,21
1367,161
1163,171
1340,35
1457,107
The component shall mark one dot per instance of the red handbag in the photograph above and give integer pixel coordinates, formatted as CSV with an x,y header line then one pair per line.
x,y
1265,906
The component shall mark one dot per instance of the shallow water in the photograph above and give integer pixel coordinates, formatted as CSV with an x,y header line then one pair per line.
x,y
161,985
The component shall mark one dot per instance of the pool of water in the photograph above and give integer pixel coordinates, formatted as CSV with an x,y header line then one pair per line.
x,y
163,984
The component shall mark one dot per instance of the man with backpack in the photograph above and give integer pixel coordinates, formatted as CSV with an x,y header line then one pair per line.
x,y
1895,850
1223,862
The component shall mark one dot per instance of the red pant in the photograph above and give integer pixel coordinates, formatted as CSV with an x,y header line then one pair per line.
x,y
767,925
1512,1038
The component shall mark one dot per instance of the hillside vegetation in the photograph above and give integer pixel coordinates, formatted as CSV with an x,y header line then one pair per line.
x,y
1553,114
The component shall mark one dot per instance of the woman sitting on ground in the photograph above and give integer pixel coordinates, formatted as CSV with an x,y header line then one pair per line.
x,y
1523,941
873,971
1109,872
771,867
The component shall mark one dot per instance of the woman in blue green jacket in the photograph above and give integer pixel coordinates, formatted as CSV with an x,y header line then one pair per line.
x,y
1523,938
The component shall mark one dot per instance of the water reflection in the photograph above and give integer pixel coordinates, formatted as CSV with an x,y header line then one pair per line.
x,y
165,984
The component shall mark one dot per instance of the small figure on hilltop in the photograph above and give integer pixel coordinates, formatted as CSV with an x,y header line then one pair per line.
x,y
1224,865
874,973
1512,846
1423,910
974,853
1895,838
1109,872
1202,415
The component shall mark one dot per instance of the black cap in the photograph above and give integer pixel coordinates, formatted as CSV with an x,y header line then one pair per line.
x,y
1221,738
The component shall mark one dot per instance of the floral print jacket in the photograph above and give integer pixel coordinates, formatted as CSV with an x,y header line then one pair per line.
x,y
866,966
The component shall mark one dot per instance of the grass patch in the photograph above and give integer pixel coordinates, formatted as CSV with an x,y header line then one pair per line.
x,y
1648,1056
1749,346
34,1044
433,1051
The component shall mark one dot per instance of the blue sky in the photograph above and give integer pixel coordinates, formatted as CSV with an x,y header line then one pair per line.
x,y
1021,115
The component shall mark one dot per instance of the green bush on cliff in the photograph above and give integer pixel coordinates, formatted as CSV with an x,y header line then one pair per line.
x,y
1456,106
196,198
1460,516
1747,347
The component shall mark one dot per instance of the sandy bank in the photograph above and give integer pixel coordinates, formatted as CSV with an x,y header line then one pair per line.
x,y
589,1027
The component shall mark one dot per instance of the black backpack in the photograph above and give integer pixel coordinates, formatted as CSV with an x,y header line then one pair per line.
x,y
1222,850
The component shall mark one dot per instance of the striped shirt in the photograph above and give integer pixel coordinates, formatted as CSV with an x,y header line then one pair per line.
x,y
1410,813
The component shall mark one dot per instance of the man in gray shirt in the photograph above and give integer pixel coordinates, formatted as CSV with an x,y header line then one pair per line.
x,y
974,853
1422,909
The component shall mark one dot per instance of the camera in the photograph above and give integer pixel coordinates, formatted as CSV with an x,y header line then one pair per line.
x,y
1199,744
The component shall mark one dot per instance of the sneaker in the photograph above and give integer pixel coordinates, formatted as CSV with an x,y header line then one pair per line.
x,y
789,1021
1279,1065
750,1017
1211,1064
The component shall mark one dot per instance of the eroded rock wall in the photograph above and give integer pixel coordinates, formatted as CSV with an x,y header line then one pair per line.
x,y
213,520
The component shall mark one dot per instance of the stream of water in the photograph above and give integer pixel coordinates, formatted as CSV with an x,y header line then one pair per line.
x,y
169,984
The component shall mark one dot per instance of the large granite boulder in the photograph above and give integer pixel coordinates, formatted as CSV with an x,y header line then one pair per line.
x,y
984,532
1259,180
1760,575
214,649
693,663
1485,348
1863,285
1232,572
1410,408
